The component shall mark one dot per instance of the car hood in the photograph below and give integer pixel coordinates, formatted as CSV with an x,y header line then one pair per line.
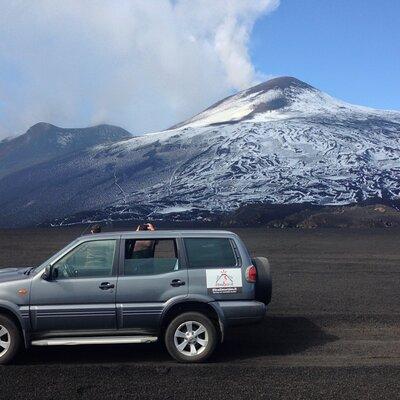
x,y
13,274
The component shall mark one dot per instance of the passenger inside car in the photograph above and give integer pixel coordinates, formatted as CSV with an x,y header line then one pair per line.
x,y
160,258
142,248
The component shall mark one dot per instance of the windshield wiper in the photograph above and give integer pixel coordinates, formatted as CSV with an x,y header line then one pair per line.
x,y
29,270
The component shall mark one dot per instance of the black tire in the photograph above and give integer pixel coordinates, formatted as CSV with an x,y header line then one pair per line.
x,y
264,280
197,317
13,337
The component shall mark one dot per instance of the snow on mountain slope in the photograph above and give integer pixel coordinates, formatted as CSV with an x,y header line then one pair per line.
x,y
229,165
282,142
279,98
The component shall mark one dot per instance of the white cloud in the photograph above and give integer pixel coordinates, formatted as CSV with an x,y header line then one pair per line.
x,y
140,64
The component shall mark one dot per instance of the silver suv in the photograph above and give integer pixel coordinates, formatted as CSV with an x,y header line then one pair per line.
x,y
183,287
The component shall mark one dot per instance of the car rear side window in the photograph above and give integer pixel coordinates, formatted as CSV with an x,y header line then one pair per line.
x,y
150,257
210,253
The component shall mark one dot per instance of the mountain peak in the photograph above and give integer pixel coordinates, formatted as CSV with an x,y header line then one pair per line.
x,y
46,130
40,128
273,95
282,82
44,141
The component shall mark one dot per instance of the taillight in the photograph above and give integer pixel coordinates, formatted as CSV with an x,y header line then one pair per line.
x,y
251,274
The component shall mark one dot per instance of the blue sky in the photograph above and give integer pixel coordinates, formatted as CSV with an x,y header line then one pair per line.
x,y
147,65
348,48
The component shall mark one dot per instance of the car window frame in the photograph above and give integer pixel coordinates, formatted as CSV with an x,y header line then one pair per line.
x,y
114,270
234,247
178,243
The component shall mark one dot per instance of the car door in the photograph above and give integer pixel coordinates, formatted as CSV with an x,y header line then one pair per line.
x,y
80,296
151,274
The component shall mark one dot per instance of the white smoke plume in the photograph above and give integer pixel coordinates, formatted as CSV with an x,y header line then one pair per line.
x,y
140,64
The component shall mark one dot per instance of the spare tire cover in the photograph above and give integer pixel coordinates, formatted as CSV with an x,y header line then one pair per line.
x,y
264,280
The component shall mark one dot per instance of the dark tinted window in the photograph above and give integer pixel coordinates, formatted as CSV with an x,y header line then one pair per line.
x,y
210,253
150,257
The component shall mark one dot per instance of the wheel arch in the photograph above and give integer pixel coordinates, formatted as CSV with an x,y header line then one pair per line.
x,y
14,315
203,305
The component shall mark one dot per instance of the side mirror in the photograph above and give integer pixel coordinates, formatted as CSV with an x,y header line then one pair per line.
x,y
50,273
47,273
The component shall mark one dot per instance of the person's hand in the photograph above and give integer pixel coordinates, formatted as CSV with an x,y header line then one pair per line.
x,y
150,227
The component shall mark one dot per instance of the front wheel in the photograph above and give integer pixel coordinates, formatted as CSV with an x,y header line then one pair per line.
x,y
191,337
10,339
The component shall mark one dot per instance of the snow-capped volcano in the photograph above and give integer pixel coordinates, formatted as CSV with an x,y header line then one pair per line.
x,y
282,141
277,99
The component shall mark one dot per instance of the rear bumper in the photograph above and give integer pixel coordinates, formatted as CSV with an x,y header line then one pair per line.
x,y
242,312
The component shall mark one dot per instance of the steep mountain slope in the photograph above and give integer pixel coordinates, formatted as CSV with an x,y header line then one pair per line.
x,y
281,142
43,142
281,98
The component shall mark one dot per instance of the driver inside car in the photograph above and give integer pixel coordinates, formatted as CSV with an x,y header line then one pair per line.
x,y
91,259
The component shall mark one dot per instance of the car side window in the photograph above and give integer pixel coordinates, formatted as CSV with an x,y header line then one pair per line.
x,y
90,259
150,257
210,252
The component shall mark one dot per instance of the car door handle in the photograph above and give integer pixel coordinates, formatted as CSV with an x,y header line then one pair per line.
x,y
177,282
106,286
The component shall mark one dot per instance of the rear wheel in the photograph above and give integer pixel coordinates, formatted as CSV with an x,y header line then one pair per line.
x,y
10,339
191,337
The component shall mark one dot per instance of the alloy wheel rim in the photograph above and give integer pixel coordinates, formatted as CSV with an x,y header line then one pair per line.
x,y
5,340
191,338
